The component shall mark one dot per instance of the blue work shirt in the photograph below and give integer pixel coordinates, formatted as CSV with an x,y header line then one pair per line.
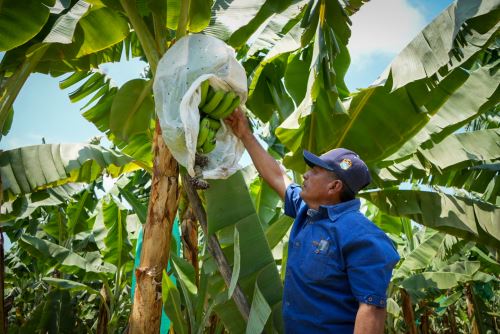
x,y
337,258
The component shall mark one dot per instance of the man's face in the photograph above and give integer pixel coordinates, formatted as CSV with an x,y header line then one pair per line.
x,y
319,186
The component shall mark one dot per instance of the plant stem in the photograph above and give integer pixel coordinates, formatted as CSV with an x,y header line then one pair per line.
x,y
408,313
183,19
214,247
145,38
17,80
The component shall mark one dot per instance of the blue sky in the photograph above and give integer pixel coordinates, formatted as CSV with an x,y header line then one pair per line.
x,y
380,30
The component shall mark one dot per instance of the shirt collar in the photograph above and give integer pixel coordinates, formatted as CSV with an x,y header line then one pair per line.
x,y
336,210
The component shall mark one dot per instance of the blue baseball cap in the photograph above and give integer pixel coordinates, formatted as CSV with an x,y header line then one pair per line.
x,y
346,164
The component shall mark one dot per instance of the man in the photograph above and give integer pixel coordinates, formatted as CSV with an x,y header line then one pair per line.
x,y
339,263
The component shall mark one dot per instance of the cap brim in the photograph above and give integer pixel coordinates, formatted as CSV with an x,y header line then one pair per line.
x,y
313,160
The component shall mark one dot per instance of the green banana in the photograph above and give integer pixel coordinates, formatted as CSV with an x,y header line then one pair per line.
x,y
208,146
223,105
214,123
229,110
204,92
210,93
214,102
204,132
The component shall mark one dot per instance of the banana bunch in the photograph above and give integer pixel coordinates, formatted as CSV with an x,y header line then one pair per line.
x,y
206,137
217,104
214,106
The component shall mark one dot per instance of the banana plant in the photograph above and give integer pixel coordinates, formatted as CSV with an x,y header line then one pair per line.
x,y
430,282
84,267
296,55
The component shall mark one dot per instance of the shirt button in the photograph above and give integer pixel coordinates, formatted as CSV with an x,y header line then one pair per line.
x,y
370,299
297,243
287,303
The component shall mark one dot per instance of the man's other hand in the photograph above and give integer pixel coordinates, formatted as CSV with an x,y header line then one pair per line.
x,y
238,122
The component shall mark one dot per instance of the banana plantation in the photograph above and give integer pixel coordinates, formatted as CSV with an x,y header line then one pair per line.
x,y
154,253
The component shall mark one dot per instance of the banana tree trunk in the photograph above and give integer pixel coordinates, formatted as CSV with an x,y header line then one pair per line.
x,y
472,312
103,318
451,319
424,319
408,314
162,209
189,235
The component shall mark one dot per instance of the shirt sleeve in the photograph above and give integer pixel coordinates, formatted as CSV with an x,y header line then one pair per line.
x,y
292,200
370,259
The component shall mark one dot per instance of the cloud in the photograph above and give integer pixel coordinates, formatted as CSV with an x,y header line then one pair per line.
x,y
383,27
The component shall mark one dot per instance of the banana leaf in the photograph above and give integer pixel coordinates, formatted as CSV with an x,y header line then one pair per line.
x,y
454,153
64,259
31,15
235,21
132,109
256,263
273,30
172,304
467,218
110,232
447,120
401,113
63,29
472,22
446,278
114,114
30,168
54,314
421,256
265,200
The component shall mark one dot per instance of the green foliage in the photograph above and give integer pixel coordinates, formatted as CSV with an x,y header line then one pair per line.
x,y
428,130
79,274
31,15
253,262
30,168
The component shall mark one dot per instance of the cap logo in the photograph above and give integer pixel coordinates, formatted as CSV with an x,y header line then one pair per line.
x,y
345,164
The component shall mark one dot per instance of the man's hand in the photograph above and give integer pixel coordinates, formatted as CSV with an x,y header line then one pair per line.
x,y
239,124
267,166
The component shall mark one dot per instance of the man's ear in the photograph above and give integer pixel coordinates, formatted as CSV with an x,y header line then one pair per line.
x,y
335,186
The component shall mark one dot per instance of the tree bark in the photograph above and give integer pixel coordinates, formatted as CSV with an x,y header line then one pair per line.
x,y
103,317
451,319
425,325
471,310
162,209
408,314
189,235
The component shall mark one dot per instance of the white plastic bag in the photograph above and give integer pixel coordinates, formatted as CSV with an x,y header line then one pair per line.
x,y
190,61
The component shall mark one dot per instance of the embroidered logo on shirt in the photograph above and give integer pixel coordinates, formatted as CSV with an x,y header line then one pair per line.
x,y
321,246
345,164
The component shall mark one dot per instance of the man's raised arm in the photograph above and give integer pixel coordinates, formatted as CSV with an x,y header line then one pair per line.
x,y
266,165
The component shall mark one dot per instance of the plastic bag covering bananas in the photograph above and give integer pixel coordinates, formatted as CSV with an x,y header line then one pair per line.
x,y
217,104
190,61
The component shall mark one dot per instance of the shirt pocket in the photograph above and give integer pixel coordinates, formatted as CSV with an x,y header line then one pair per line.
x,y
314,265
